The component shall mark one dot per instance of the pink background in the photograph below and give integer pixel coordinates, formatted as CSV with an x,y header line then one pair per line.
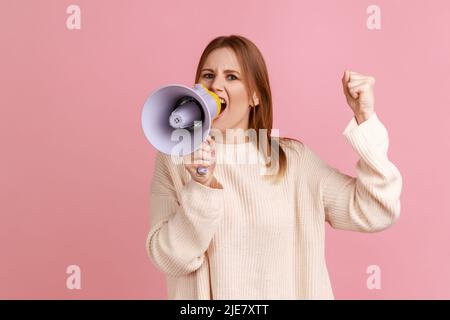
x,y
75,168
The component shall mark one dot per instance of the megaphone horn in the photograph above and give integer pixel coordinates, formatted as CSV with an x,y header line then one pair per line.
x,y
176,107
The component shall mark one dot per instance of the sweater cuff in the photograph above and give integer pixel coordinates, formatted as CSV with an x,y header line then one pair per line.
x,y
202,200
369,135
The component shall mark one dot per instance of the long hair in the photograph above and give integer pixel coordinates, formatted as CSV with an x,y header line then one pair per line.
x,y
256,79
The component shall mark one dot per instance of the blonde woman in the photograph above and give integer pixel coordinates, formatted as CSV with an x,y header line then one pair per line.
x,y
236,233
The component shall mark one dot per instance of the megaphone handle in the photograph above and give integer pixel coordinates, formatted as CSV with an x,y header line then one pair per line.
x,y
202,171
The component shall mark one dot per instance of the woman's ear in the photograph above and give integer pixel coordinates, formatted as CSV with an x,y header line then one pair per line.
x,y
255,100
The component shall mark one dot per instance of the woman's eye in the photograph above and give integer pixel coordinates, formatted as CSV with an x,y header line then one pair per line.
x,y
210,76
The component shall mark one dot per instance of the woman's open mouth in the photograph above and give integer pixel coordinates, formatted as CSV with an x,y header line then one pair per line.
x,y
223,106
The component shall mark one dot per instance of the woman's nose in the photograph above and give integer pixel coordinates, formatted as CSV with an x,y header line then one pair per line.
x,y
217,84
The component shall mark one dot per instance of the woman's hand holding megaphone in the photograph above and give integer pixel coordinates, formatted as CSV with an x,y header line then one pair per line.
x,y
205,157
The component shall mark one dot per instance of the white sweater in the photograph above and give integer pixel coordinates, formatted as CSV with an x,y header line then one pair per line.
x,y
257,240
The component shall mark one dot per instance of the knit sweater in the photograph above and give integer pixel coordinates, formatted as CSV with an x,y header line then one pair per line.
x,y
252,239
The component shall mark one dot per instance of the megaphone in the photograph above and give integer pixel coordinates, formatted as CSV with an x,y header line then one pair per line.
x,y
177,119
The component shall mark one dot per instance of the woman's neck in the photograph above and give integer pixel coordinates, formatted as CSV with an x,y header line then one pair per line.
x,y
232,136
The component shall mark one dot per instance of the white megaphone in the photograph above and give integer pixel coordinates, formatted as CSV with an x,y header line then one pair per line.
x,y
177,119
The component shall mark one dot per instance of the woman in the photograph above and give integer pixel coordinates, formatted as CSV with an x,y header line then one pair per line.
x,y
235,234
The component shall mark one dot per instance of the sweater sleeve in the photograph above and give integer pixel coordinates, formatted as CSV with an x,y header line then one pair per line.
x,y
181,227
371,201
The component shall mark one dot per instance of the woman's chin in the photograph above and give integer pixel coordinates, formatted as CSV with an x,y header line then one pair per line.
x,y
218,124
